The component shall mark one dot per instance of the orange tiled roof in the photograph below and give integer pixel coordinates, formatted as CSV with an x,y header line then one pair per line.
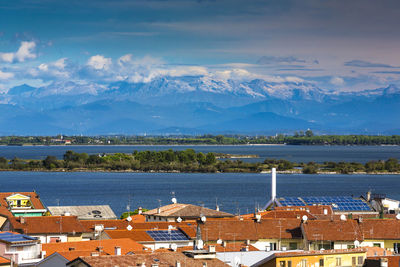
x,y
164,259
71,255
108,246
377,251
108,224
4,260
186,211
296,214
380,228
251,230
317,230
48,224
135,234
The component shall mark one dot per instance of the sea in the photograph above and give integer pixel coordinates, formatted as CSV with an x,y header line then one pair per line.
x,y
237,193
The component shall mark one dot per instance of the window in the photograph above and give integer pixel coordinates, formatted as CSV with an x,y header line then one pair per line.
x,y
378,245
304,263
272,246
396,248
360,260
282,264
292,246
338,261
353,261
289,263
321,262
18,203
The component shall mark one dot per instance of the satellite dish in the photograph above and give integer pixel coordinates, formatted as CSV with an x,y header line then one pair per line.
x,y
203,219
342,217
174,200
174,247
179,219
219,241
129,218
200,244
305,218
356,243
129,227
398,216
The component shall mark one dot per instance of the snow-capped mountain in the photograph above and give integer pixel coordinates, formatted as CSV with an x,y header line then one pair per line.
x,y
197,104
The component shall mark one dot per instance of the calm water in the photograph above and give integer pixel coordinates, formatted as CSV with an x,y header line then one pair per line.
x,y
234,192
361,154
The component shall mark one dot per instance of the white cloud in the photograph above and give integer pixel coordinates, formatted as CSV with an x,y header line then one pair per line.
x,y
25,51
337,81
52,70
99,62
6,75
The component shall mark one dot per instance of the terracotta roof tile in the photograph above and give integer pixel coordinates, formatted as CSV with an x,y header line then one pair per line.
x,y
49,224
165,259
4,260
108,224
107,245
319,252
186,211
250,230
136,235
380,228
317,230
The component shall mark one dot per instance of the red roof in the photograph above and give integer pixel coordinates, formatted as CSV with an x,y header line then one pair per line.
x,y
380,228
49,225
107,246
4,260
317,230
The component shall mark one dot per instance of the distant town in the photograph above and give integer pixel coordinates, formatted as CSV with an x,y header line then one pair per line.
x,y
286,232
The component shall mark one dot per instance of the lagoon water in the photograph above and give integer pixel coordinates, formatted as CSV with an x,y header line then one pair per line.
x,y
319,154
235,193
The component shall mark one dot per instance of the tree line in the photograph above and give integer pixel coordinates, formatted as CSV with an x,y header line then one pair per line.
x,y
186,161
298,138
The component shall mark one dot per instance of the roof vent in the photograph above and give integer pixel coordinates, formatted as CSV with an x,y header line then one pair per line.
x,y
325,211
343,217
258,217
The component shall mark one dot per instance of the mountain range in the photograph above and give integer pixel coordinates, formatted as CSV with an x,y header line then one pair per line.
x,y
196,105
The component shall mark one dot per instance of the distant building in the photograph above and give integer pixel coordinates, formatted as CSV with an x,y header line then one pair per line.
x,y
49,229
24,204
94,212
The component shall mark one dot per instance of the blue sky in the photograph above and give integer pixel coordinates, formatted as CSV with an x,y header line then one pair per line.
x,y
337,44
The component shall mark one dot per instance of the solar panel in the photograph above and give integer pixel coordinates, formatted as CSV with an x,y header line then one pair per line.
x,y
11,237
167,235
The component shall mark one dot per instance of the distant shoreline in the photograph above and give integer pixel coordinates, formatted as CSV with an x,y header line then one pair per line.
x,y
176,171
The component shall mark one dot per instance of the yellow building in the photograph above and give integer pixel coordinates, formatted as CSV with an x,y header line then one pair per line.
x,y
319,258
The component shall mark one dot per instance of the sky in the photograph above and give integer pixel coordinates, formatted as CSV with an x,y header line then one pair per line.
x,y
337,44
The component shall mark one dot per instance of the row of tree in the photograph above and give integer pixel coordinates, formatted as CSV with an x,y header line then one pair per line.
x,y
187,161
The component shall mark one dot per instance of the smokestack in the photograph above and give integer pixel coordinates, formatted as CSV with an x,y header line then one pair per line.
x,y
273,184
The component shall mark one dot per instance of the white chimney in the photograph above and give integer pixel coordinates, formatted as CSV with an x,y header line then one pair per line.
x,y
140,210
118,251
178,264
273,184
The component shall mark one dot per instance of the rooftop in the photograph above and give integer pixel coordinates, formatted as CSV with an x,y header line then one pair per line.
x,y
49,224
85,212
165,259
186,211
